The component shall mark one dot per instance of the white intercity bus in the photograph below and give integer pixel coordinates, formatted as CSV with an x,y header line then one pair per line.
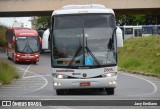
x,y
84,41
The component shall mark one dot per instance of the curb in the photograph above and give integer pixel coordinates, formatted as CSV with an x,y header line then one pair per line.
x,y
141,73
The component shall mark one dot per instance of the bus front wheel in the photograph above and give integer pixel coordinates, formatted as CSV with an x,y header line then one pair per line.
x,y
35,63
110,91
14,59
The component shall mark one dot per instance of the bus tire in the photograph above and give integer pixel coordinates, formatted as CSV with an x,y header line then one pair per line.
x,y
8,55
9,58
60,92
35,63
42,51
110,91
14,60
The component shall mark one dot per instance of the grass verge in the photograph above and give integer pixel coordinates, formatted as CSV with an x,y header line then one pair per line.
x,y
7,72
141,55
2,35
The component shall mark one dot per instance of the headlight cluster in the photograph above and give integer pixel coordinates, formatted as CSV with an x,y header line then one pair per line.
x,y
36,55
18,55
110,74
60,76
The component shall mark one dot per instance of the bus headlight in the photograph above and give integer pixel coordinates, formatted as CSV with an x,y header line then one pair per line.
x,y
36,55
60,76
112,82
110,74
18,55
57,84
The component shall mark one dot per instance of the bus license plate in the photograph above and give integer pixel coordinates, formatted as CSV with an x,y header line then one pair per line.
x,y
27,54
85,84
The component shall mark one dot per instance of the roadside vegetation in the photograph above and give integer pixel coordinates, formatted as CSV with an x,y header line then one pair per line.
x,y
7,72
141,55
2,35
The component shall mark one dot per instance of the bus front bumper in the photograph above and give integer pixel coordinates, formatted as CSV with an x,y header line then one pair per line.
x,y
106,82
27,57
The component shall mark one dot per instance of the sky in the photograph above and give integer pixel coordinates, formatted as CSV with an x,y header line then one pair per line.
x,y
8,21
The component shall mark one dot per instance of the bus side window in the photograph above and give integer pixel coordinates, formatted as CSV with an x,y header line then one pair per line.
x,y
145,30
128,30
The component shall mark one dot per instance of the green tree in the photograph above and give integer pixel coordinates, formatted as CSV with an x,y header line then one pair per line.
x,y
42,22
137,20
140,19
130,20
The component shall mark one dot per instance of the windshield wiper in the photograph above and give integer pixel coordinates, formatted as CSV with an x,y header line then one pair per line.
x,y
31,49
24,48
76,54
27,45
89,51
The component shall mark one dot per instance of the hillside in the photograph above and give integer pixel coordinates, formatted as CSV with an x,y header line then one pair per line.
x,y
141,55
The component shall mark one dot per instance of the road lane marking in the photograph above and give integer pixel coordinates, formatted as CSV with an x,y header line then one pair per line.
x,y
36,76
26,71
154,86
46,82
23,77
20,68
30,72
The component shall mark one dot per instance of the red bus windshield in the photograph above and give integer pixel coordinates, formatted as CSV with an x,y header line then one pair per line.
x,y
29,44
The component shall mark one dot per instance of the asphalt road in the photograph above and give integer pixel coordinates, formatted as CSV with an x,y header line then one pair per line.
x,y
35,83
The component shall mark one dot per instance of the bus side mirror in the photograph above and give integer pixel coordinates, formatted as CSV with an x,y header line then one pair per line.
x,y
119,36
40,40
14,39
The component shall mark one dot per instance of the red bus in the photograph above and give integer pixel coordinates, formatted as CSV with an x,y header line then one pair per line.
x,y
22,45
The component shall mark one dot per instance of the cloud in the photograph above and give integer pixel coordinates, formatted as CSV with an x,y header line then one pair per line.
x,y
8,21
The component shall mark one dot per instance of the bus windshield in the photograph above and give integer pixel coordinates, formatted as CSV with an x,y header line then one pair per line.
x,y
27,44
84,40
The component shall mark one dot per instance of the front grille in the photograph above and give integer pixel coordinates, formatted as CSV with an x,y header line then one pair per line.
x,y
27,57
70,77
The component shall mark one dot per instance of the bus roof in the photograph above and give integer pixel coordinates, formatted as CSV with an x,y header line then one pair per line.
x,y
150,26
78,9
18,31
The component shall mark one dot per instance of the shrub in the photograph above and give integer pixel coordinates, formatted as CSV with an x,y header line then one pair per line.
x,y
7,72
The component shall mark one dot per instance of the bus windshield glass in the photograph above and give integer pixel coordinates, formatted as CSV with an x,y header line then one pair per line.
x,y
29,44
84,40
